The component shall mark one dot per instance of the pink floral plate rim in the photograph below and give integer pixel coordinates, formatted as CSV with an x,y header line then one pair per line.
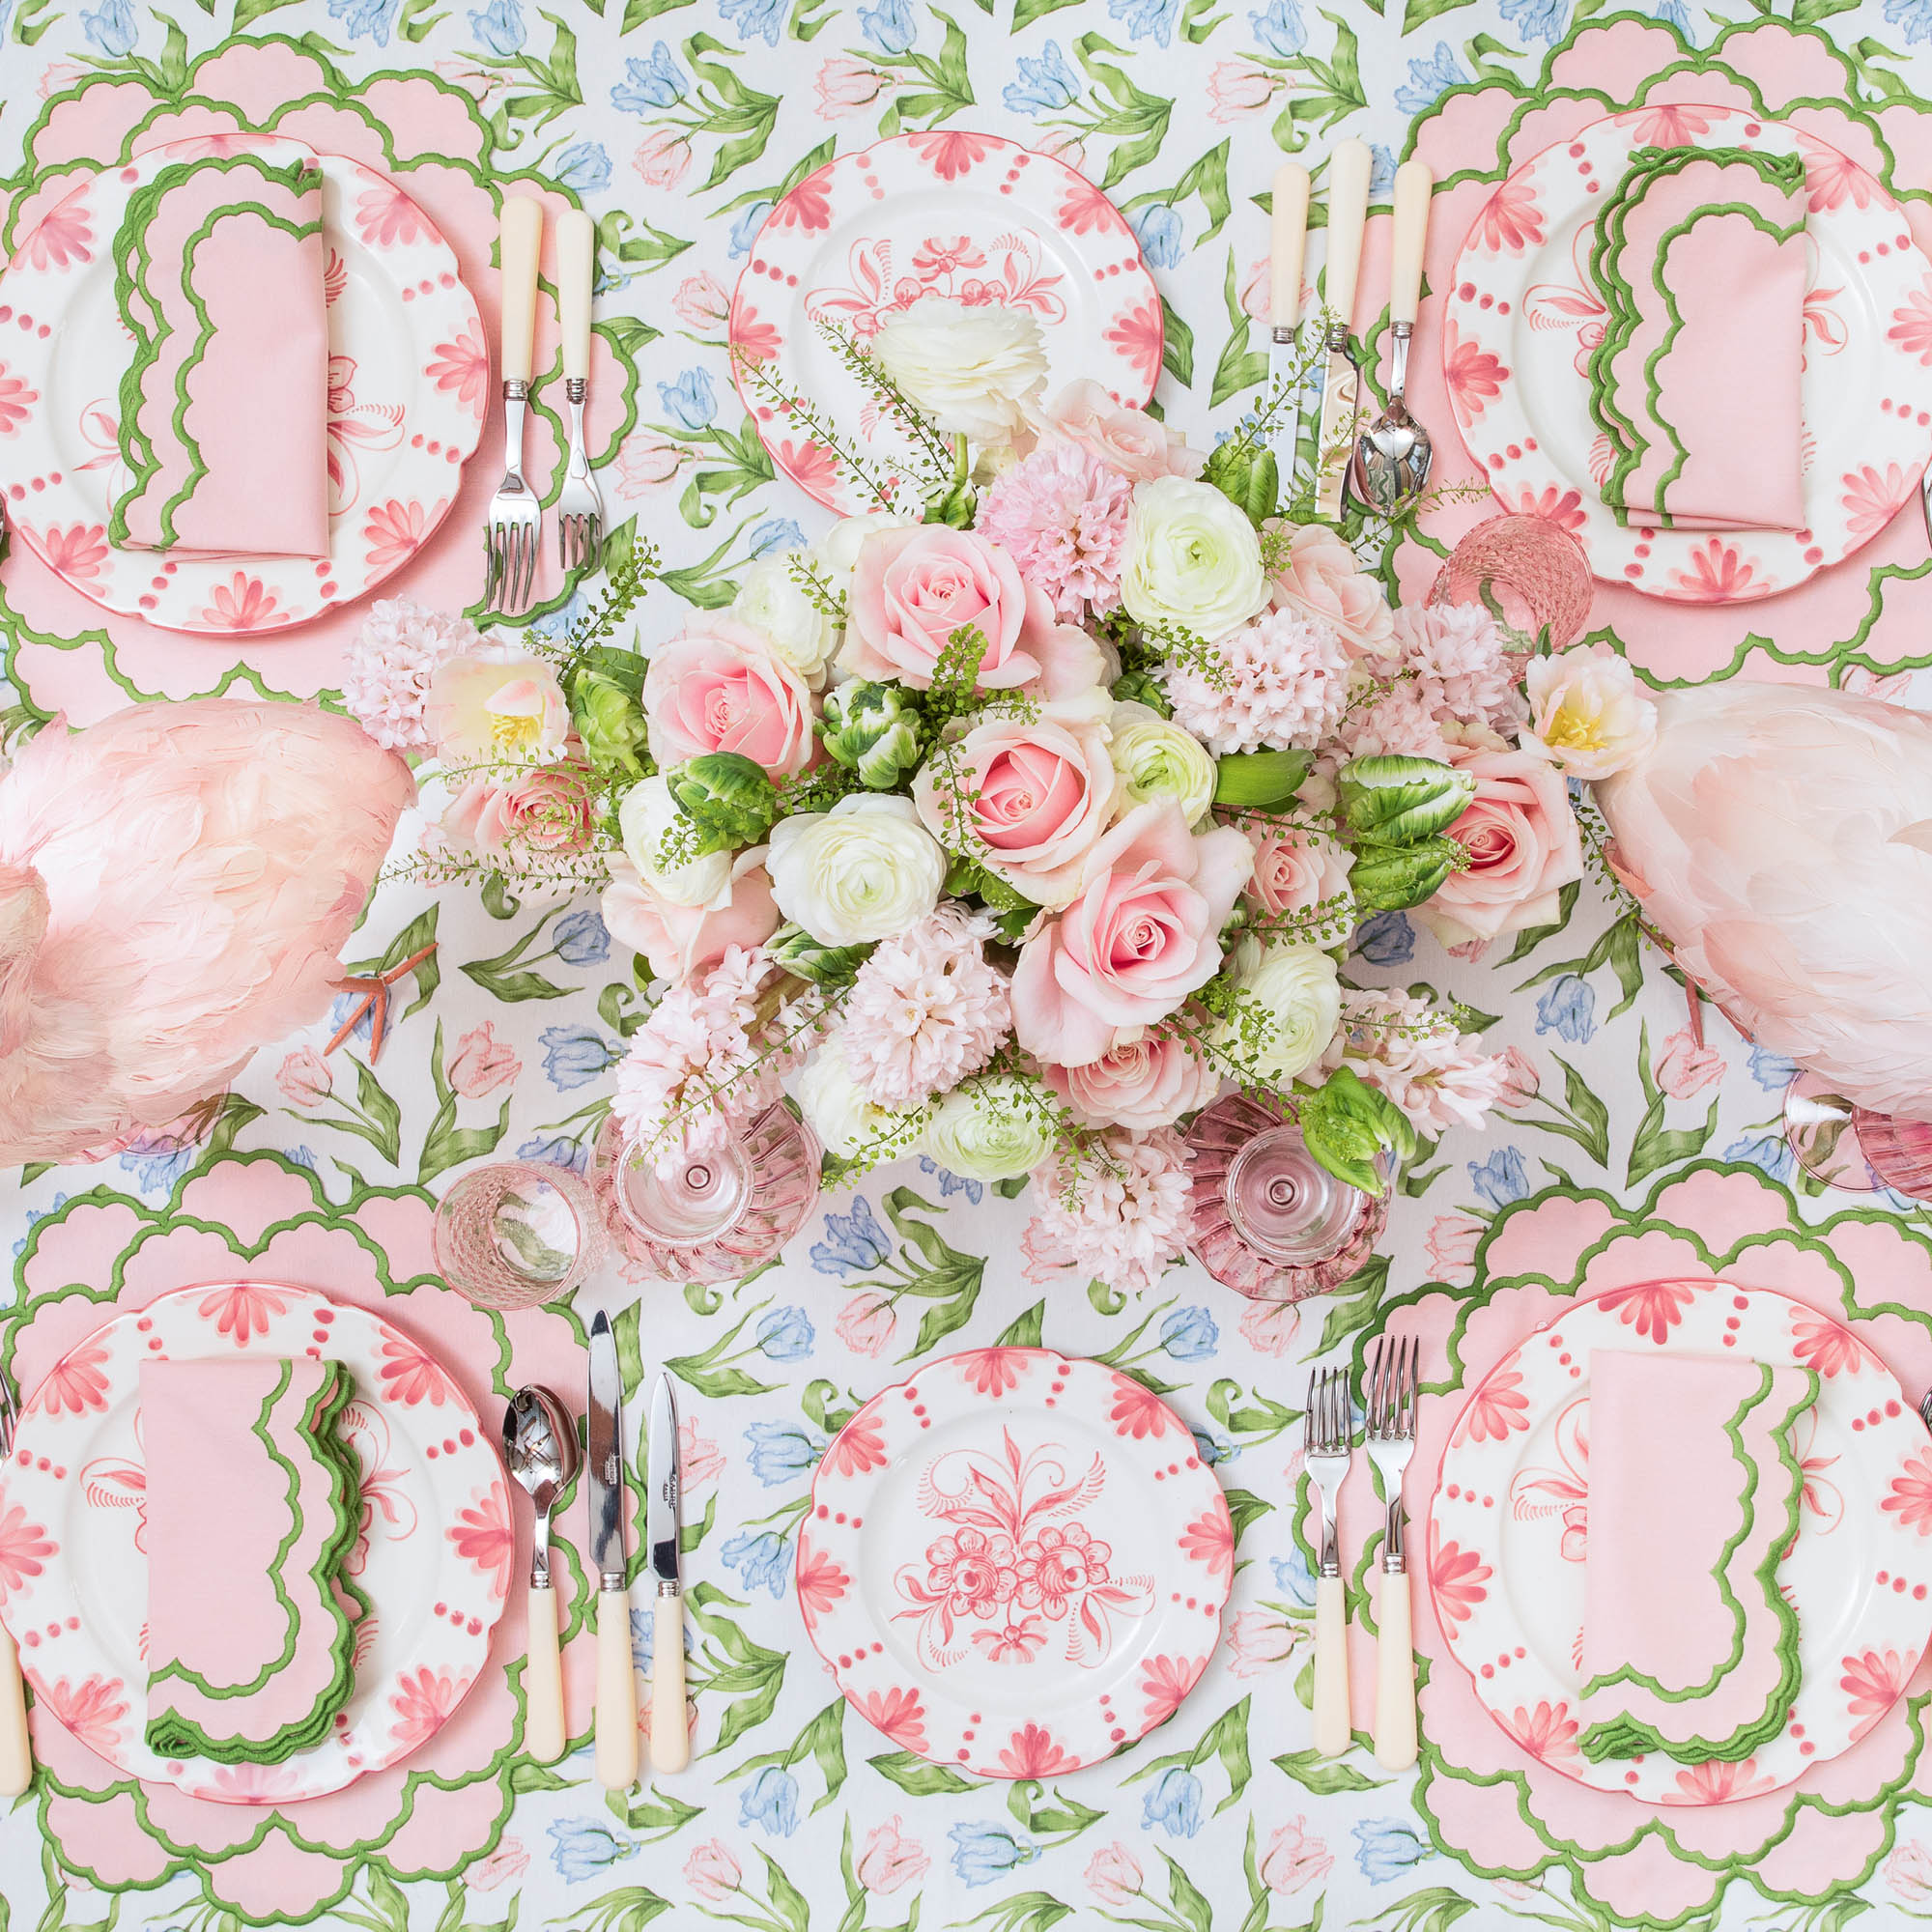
x,y
1513,1494
1521,314
1016,1562
405,334
973,216
434,1557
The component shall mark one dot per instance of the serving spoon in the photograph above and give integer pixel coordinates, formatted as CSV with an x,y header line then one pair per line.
x,y
1393,454
541,1452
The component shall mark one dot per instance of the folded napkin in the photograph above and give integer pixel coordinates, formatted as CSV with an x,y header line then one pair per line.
x,y
252,1508
1690,1647
1699,257
224,409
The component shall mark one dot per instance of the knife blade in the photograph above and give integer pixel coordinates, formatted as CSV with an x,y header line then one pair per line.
x,y
617,1683
1288,250
670,1734
1349,171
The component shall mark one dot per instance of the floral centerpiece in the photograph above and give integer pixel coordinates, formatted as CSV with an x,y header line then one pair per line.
x,y
1015,818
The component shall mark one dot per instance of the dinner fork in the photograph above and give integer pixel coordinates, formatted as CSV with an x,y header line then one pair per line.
x,y
515,516
16,1752
580,509
1325,1454
1391,1391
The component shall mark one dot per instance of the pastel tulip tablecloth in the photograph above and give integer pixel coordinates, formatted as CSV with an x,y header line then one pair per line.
x,y
678,122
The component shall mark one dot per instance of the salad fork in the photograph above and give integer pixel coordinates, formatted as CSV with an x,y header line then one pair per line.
x,y
1391,1393
515,516
16,1752
1325,1450
580,509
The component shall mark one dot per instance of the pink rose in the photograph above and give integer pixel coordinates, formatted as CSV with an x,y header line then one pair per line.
x,y
912,588
1143,934
1521,1082
1236,88
1293,1858
1684,1067
678,938
1452,1242
1522,839
845,85
702,301
1034,794
1258,1641
699,1459
866,1323
304,1078
510,1860
890,1860
481,1064
1129,440
646,462
722,688
1320,579
1298,869
1148,1082
663,155
712,1872
1114,1875
545,809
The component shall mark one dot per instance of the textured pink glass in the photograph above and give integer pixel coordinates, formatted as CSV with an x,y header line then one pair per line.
x,y
1267,1219
1898,1151
1537,575
719,1214
517,1234
1825,1131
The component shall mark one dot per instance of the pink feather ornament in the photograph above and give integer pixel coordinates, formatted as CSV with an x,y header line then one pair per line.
x,y
1781,839
176,885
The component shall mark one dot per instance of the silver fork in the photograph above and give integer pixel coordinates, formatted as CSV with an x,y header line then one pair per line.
x,y
1325,1451
17,1753
515,516
580,509
1390,1393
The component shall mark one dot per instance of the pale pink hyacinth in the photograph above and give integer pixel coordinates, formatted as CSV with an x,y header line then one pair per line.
x,y
1283,682
1438,1077
1402,719
1123,1214
1063,514
385,677
1464,668
925,1010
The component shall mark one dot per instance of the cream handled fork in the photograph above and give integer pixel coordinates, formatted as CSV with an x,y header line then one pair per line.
x,y
1391,1392
580,508
515,516
1325,1454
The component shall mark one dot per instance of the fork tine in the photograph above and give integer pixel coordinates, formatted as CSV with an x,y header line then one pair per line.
x,y
1375,1392
1309,1426
1415,1387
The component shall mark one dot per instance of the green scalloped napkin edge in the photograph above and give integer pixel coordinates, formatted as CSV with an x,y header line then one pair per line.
x,y
132,266
175,1735
1627,1735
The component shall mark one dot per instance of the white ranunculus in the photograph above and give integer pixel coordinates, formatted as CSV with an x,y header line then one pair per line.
x,y
989,1129
833,1107
1157,759
970,369
649,822
864,870
772,602
1193,559
1302,992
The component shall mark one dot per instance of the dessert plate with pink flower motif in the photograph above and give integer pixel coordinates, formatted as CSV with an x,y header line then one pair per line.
x,y
1522,314
407,370
1514,1499
1016,1562
434,1557
970,217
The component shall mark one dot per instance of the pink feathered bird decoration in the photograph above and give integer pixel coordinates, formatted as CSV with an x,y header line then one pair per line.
x,y
176,885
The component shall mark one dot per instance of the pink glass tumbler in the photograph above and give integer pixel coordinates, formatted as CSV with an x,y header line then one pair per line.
x,y
517,1234
1530,572
1268,1219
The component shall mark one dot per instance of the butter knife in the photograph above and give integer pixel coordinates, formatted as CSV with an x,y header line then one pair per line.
x,y
670,1732
1288,250
1349,171
617,1681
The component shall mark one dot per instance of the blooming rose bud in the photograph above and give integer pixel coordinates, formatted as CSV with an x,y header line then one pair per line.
x,y
610,724
1398,800
871,729
728,798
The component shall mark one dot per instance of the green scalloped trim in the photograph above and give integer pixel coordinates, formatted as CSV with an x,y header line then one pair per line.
x,y
1628,1735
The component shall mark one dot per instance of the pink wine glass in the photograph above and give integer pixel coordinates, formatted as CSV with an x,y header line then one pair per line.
x,y
517,1234
1268,1219
717,1214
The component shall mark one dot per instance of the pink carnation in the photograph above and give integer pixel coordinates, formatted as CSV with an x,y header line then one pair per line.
x,y
925,1010
1438,1077
1063,516
1122,1214
1281,681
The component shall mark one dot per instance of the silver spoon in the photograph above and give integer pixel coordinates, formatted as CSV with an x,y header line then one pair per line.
x,y
541,1448
1390,469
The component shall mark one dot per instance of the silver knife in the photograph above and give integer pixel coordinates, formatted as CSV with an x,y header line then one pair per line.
x,y
616,1682
1288,250
1349,171
670,1734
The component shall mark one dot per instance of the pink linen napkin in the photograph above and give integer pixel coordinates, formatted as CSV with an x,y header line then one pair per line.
x,y
1698,383
251,1511
225,409
1689,1646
